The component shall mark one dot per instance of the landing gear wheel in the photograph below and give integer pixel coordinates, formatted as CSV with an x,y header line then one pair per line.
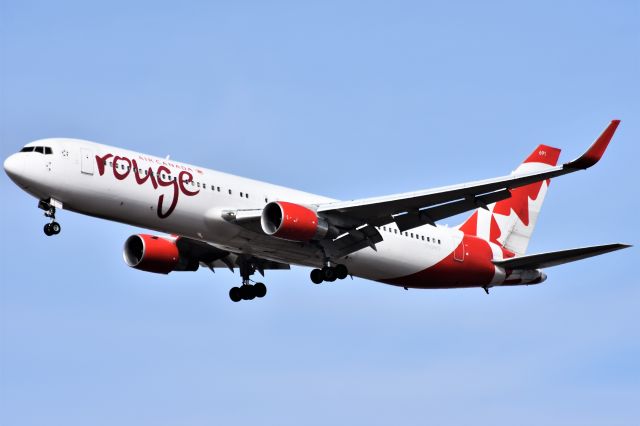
x,y
47,230
329,274
260,290
55,228
316,276
247,292
234,294
341,272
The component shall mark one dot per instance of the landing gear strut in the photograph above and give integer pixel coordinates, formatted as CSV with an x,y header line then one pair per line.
x,y
247,291
329,273
52,228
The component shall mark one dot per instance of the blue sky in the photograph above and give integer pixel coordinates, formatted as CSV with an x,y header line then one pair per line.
x,y
346,99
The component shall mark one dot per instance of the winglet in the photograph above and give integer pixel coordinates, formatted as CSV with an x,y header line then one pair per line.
x,y
595,151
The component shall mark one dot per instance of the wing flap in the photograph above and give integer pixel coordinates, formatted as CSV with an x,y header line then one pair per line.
x,y
554,258
431,215
354,240
213,257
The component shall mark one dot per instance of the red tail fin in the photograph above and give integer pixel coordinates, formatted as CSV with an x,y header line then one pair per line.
x,y
509,223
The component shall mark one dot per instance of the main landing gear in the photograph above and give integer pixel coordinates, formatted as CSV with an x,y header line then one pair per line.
x,y
329,273
247,291
52,228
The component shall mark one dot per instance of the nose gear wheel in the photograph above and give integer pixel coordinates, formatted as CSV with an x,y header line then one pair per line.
x,y
52,228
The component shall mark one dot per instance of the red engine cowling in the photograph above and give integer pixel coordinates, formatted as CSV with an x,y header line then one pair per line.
x,y
152,254
294,222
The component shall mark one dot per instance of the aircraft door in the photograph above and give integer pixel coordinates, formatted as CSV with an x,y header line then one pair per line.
x,y
86,161
458,252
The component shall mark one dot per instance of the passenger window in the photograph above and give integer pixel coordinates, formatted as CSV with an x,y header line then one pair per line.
x,y
241,195
438,241
229,192
246,195
428,239
218,189
423,238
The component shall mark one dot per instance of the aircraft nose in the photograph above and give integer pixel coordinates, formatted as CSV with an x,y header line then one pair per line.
x,y
14,166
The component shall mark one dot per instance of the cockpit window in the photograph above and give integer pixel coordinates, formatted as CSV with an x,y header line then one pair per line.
x,y
39,149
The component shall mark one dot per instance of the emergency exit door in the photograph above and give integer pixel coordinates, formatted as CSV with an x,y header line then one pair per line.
x,y
86,161
458,252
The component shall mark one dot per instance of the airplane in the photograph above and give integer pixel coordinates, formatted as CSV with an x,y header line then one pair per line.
x,y
218,220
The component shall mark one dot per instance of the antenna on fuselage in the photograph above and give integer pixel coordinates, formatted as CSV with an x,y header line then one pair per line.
x,y
167,157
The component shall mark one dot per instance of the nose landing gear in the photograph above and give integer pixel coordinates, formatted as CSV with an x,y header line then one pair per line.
x,y
52,228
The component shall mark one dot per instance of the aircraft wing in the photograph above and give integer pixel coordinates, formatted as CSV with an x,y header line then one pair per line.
x,y
213,257
554,258
412,209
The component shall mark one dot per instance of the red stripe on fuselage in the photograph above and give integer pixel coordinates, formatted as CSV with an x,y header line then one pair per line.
x,y
476,270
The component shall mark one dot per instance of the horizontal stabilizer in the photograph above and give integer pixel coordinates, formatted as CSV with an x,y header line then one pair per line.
x,y
554,258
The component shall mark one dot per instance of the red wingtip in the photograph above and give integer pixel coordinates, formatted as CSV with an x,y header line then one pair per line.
x,y
596,150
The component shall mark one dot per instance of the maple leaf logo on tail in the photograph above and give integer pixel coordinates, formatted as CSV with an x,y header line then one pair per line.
x,y
509,223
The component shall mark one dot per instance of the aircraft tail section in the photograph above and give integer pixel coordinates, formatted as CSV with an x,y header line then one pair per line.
x,y
510,223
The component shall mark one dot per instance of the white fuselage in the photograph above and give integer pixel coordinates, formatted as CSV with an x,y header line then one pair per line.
x,y
187,200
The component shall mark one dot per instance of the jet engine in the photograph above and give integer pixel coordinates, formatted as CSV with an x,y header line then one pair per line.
x,y
156,254
294,222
